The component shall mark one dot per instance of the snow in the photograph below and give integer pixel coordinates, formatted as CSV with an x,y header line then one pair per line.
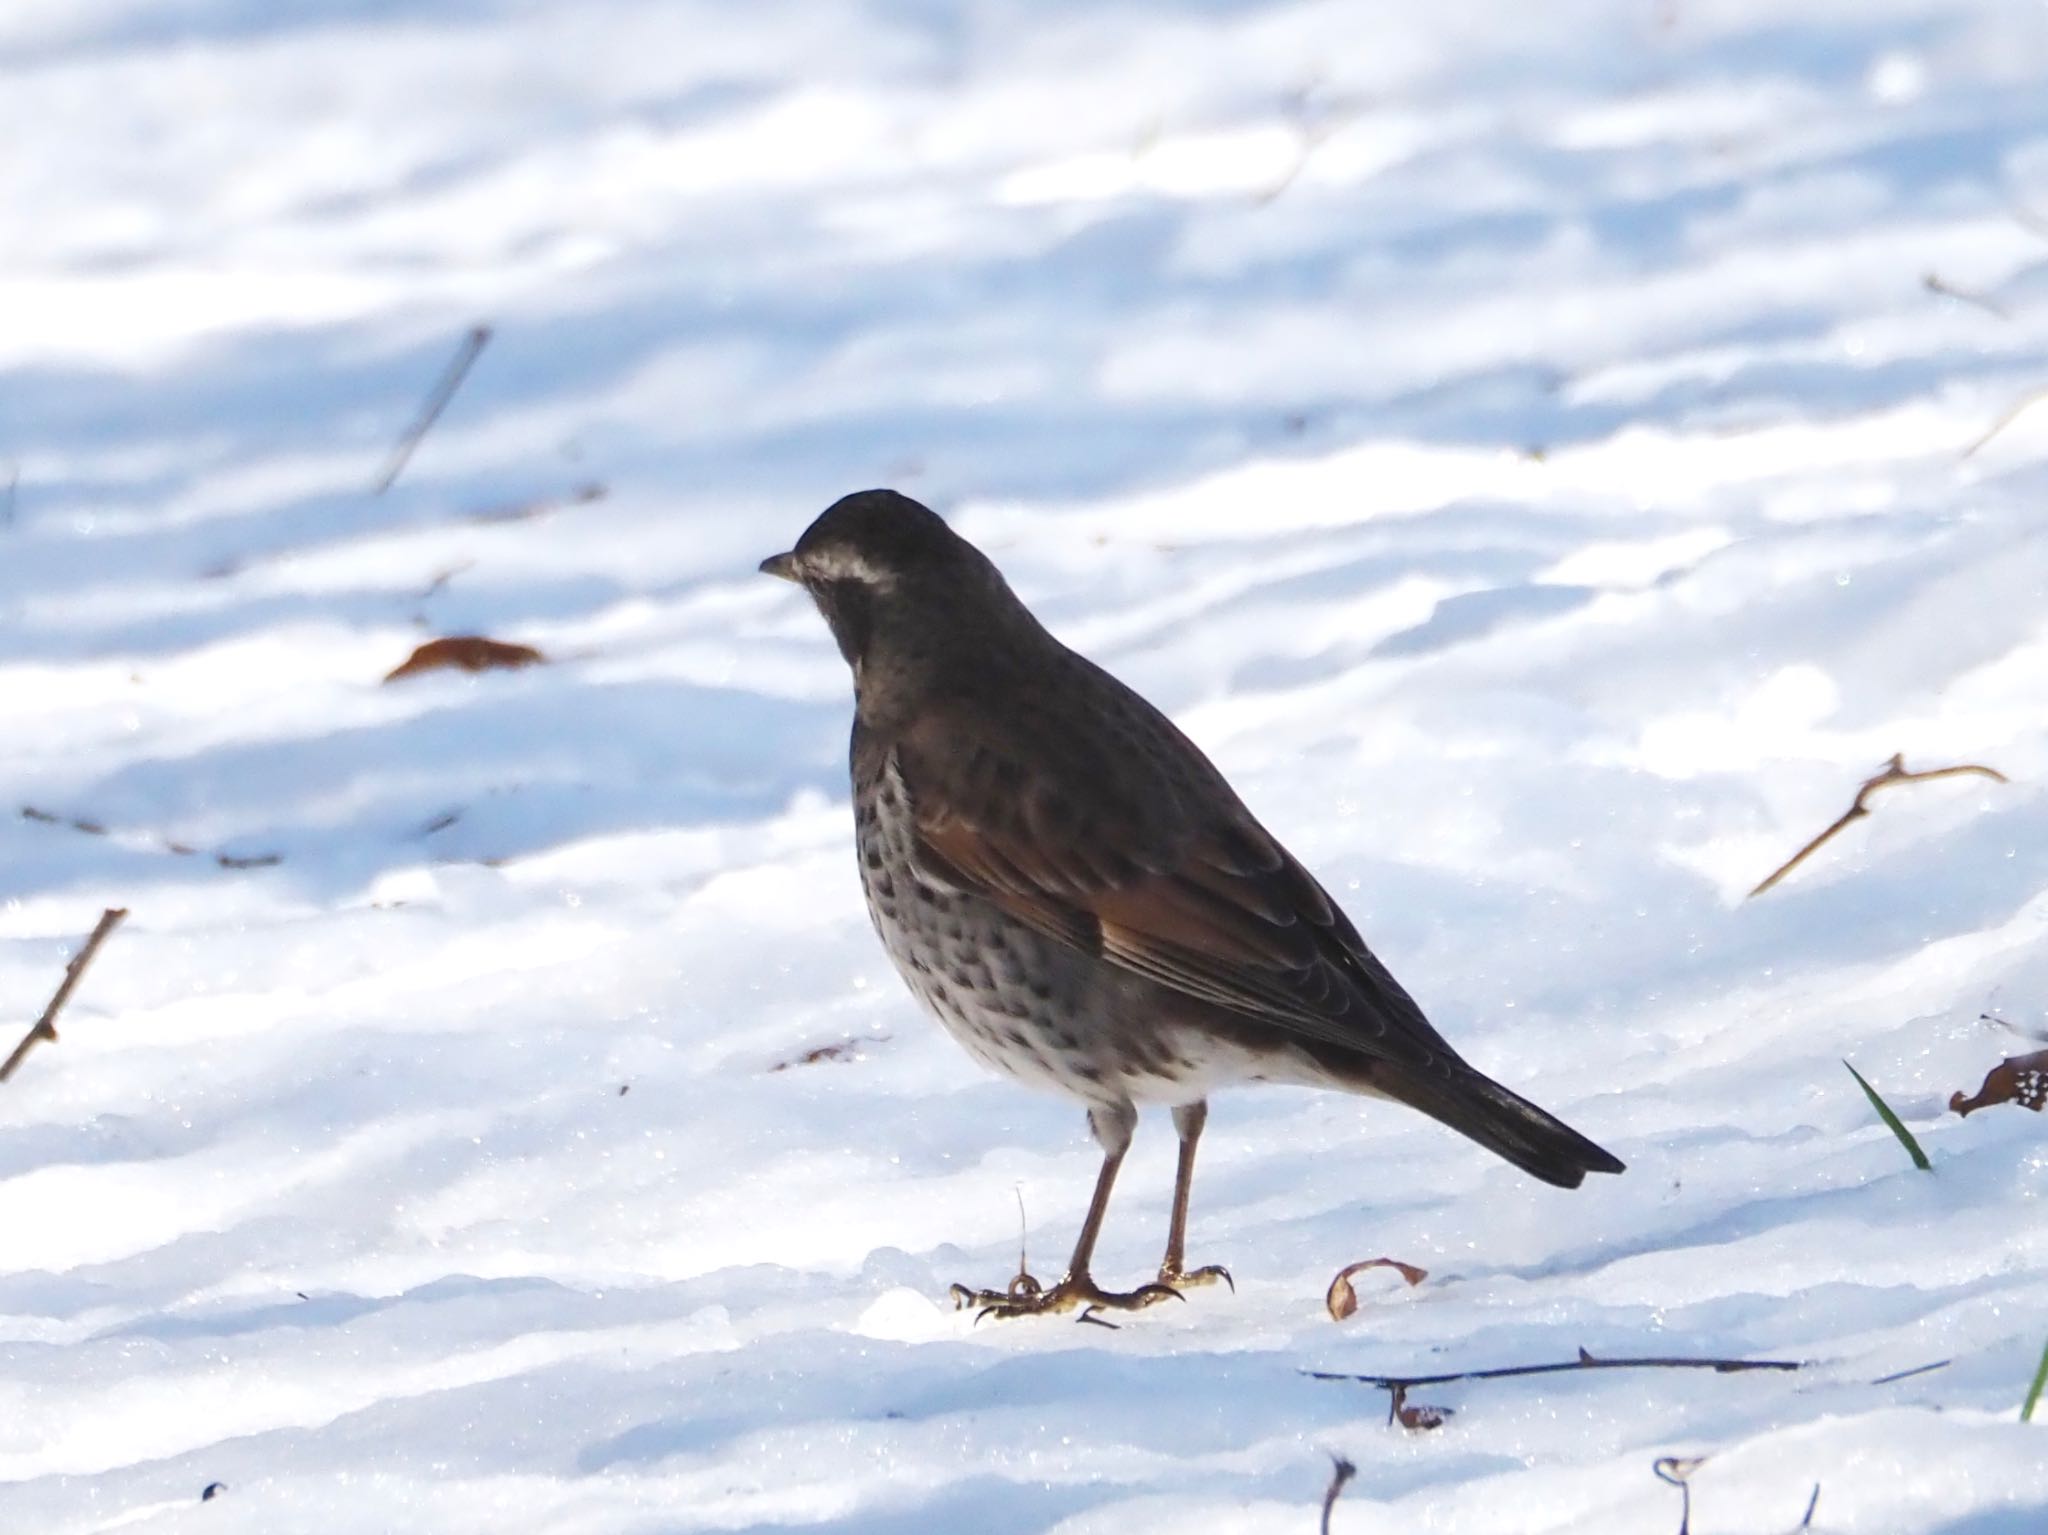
x,y
1519,443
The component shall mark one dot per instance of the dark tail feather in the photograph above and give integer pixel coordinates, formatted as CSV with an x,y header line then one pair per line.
x,y
1507,1125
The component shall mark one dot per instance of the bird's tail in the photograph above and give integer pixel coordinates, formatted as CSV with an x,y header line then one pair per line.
x,y
1506,1124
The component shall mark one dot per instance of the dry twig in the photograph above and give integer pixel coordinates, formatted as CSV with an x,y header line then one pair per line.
x,y
442,577
1936,284
436,402
1918,1369
46,1026
1894,772
1314,124
2018,409
520,511
838,1050
150,841
1676,1471
2012,1028
1398,1386
1341,1471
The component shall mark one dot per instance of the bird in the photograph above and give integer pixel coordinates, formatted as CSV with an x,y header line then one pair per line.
x,y
1074,891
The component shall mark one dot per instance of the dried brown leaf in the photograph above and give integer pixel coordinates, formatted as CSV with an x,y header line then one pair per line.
x,y
841,1050
2021,1079
469,652
1417,1417
1342,1299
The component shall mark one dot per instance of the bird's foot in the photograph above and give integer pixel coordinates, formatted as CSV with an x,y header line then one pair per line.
x,y
1173,1276
1024,1297
1021,1288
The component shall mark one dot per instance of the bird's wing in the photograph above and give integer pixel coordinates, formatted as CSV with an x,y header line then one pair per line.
x,y
1139,853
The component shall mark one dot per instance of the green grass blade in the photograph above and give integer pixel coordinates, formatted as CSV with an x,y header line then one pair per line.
x,y
1884,1112
2034,1391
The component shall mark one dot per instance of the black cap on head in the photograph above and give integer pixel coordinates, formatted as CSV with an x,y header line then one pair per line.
x,y
871,535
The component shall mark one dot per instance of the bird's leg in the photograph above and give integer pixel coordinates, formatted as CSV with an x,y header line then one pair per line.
x,y
1188,1119
1112,1127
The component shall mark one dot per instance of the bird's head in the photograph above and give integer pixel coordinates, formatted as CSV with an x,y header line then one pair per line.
x,y
883,569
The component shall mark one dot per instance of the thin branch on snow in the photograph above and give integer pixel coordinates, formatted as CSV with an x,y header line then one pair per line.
x,y
46,1026
1676,1471
2012,1028
2018,409
430,410
1918,1369
1313,123
1894,772
1341,1471
1941,287
1402,1384
150,840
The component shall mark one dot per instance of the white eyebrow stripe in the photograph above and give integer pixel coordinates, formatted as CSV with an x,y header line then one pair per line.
x,y
842,564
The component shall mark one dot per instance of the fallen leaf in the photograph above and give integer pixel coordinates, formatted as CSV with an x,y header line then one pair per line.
x,y
843,1050
1343,1300
1418,1417
2021,1079
470,652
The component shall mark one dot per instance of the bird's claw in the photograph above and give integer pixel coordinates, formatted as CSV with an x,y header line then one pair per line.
x,y
1179,1279
1076,1291
1021,1288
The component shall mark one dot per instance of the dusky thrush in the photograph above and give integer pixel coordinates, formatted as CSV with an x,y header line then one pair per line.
x,y
1074,891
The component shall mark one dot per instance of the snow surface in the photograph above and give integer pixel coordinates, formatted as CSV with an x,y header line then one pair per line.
x,y
1517,441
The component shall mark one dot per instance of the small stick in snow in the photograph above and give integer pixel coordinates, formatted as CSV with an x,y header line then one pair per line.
x,y
1023,1230
13,486
1677,1471
436,402
1936,284
151,840
1918,1369
1400,1385
1341,1471
520,511
46,1026
442,577
2019,408
2009,1026
1894,772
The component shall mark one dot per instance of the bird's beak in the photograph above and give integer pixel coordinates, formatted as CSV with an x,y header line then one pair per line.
x,y
782,565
